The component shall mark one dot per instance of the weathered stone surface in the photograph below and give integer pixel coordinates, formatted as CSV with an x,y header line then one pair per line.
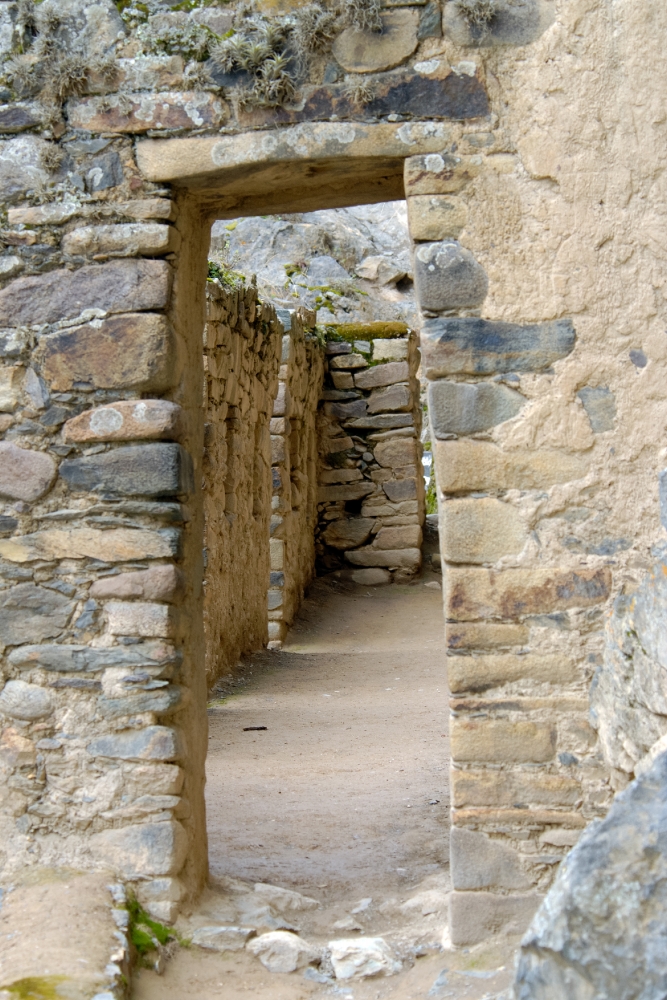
x,y
345,411
463,408
476,673
114,545
351,491
409,536
160,583
221,939
346,362
474,916
11,380
125,237
18,117
498,788
511,593
162,701
459,345
21,170
501,741
380,420
436,217
466,466
600,931
390,350
369,52
394,398
439,173
29,613
400,489
282,951
600,405
381,375
139,209
480,531
73,659
133,351
358,958
139,618
342,380
372,577
393,558
348,532
511,24
24,475
25,701
136,113
340,476
396,453
16,750
447,276
119,286
143,849
284,900
126,420
152,743
477,862
484,635
163,469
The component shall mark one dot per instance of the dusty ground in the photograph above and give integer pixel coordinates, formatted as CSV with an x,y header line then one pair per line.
x,y
343,798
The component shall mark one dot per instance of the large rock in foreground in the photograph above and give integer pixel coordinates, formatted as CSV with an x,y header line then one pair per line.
x,y
601,932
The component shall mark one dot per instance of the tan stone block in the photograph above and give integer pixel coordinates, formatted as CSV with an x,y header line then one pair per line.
x,y
516,817
501,741
480,862
474,916
481,593
277,553
396,452
54,215
570,704
11,380
393,398
142,618
391,350
342,380
391,558
337,444
466,466
398,538
351,491
475,673
114,545
512,788
159,583
374,509
368,52
484,635
146,238
132,351
480,531
381,375
278,451
140,112
436,217
126,420
328,476
439,173
24,474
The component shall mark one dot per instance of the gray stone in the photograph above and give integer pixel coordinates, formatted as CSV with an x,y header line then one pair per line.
x,y
119,286
447,276
430,22
7,524
348,532
222,938
358,958
25,701
344,411
143,849
104,172
477,862
163,701
83,26
470,346
24,474
18,117
390,558
325,272
601,932
351,491
380,375
475,916
662,490
638,358
400,489
345,362
160,583
600,405
462,408
73,659
371,577
21,172
29,613
152,743
162,469
282,951
512,23
394,398
338,347
380,420
369,52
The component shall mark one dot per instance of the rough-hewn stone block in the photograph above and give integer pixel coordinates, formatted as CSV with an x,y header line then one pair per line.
x,y
476,673
140,618
24,475
466,466
515,788
144,849
277,554
436,217
29,613
600,405
510,25
114,545
396,453
391,399
501,741
25,701
480,531
152,743
159,583
474,916
347,362
400,489
348,532
163,469
141,112
460,345
409,536
447,276
344,411
439,173
18,117
119,286
392,558
73,659
381,375
390,350
477,862
126,420
461,408
380,421
484,635
367,52
133,351
350,491
511,593
11,380
146,238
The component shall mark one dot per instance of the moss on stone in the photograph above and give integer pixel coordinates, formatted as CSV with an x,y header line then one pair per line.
x,y
36,988
367,331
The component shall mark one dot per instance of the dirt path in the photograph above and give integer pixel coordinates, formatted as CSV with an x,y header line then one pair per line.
x,y
343,798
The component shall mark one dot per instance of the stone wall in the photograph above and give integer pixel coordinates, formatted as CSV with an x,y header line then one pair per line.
x,y
371,494
242,341
294,469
